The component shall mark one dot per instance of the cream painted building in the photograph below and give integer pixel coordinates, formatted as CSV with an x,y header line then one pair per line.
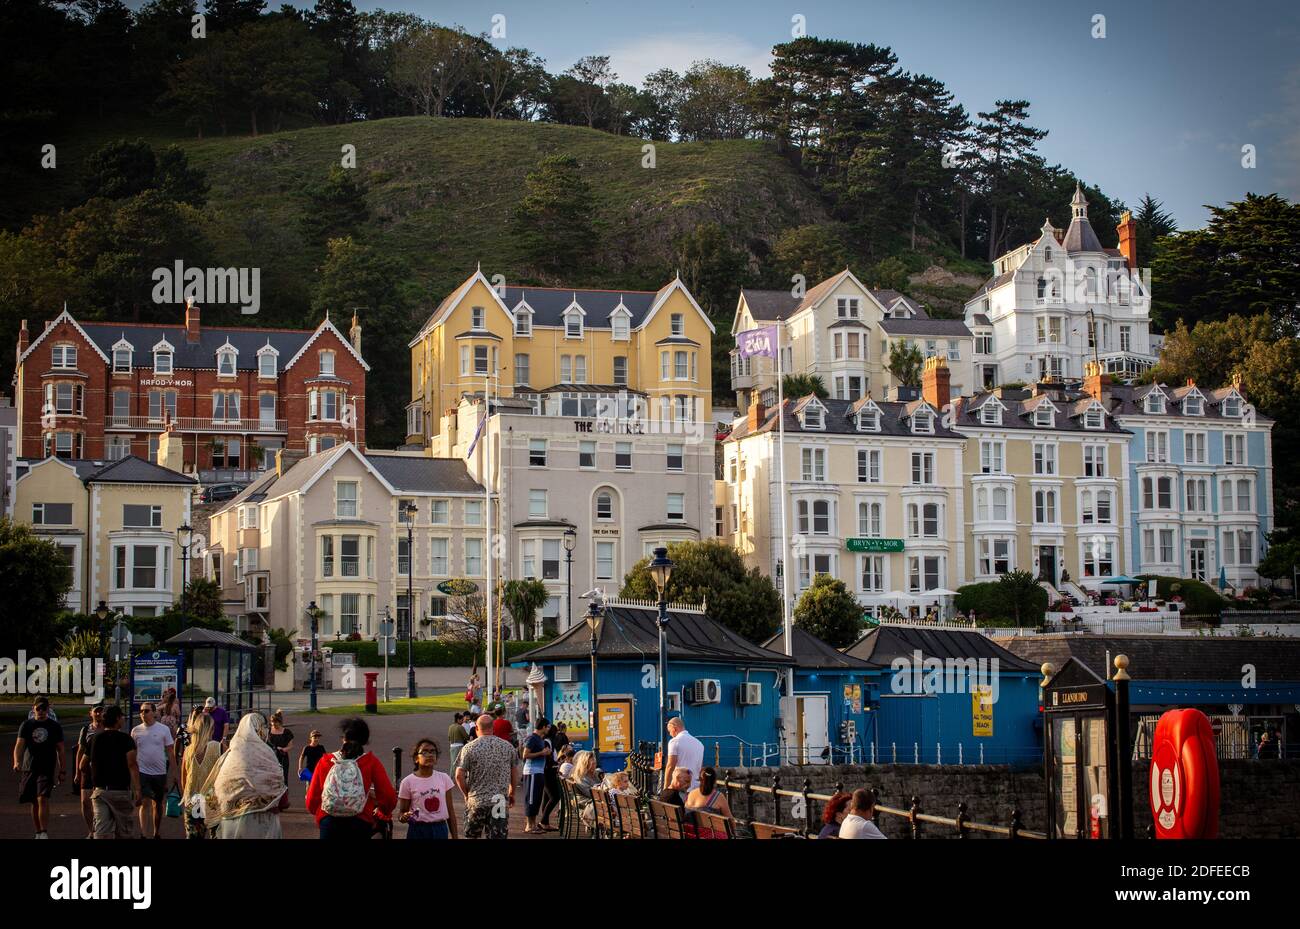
x,y
332,528
116,524
843,332
874,496
531,341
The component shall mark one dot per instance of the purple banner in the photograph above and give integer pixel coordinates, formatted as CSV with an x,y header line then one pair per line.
x,y
757,342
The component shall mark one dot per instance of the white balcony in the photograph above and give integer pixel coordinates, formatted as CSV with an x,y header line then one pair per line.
x,y
196,424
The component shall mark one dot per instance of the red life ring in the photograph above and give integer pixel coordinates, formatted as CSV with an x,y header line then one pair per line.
x,y
1184,777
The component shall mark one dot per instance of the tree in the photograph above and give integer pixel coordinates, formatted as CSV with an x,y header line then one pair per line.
x,y
715,101
203,600
553,219
816,251
905,363
797,386
1245,261
1022,595
829,611
1154,222
338,206
466,619
1282,560
430,64
743,600
593,74
503,76
34,575
1004,141
891,274
121,169
523,599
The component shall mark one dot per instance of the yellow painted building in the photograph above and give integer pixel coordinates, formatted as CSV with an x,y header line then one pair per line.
x,y
117,525
654,345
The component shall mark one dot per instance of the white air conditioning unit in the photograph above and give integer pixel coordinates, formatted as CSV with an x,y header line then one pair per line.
x,y
749,693
674,700
706,690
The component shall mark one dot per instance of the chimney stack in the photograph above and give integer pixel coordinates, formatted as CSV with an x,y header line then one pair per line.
x,y
1128,244
191,322
24,337
171,449
1096,384
286,458
757,415
936,380
355,333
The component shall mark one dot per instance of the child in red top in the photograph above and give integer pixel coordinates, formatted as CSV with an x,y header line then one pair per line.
x,y
381,798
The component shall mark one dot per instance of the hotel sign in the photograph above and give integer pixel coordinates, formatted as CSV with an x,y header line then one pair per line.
x,y
164,382
874,545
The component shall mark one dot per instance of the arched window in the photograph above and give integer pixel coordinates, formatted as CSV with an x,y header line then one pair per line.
x,y
604,505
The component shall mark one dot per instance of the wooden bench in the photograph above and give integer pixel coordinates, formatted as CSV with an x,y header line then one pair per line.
x,y
712,825
631,823
669,822
605,828
769,831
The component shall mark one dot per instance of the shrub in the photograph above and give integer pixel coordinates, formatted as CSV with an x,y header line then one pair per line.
x,y
994,603
1198,596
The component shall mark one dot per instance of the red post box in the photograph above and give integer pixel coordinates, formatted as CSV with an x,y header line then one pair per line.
x,y
372,692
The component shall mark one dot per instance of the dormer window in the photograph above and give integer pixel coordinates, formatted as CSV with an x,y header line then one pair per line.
x,y
122,355
813,418
1155,403
64,355
327,363
477,315
1193,405
267,361
226,356
1045,416
923,421
678,324
622,326
1094,418
162,358
573,323
1232,407
991,415
869,419
523,322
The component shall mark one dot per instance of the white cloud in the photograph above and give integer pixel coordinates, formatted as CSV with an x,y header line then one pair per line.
x,y
634,60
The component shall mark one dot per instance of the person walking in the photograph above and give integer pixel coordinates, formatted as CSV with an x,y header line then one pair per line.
x,y
281,739
535,751
423,799
551,779
684,750
156,756
521,715
219,718
350,793
112,769
40,762
197,761
246,792
486,775
84,787
169,711
455,740
311,754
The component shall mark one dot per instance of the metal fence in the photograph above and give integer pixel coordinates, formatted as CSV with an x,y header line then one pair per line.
x,y
725,751
807,806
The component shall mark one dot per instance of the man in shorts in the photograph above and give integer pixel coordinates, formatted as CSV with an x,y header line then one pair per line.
x,y
39,762
111,767
486,775
155,754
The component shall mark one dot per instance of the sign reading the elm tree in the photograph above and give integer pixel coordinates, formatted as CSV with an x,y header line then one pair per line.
x,y
874,545
458,587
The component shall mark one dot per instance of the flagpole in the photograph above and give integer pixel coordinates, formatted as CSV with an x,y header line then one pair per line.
x,y
489,653
787,622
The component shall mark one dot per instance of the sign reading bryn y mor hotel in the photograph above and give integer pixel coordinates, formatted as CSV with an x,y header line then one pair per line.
x,y
874,545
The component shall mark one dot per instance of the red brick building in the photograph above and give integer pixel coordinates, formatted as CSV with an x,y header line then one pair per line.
x,y
107,390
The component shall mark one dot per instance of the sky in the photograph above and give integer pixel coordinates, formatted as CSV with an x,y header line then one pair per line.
x,y
1163,104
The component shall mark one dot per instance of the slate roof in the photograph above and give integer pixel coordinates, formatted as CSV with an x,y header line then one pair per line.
x,y
84,467
133,470
425,475
1080,237
769,305
840,419
888,297
883,644
813,654
993,283
630,632
194,637
980,319
203,354
549,303
1129,400
1018,413
927,326
1167,657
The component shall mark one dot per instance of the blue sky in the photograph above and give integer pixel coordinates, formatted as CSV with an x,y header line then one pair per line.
x,y
1163,104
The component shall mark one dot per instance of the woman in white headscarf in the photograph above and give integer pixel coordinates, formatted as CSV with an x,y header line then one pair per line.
x,y
245,792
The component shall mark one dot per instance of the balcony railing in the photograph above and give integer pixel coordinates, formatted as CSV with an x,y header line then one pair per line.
x,y
197,424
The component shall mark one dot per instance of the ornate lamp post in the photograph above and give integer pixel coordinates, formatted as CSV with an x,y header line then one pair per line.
x,y
661,569
410,509
185,569
313,614
570,543
595,616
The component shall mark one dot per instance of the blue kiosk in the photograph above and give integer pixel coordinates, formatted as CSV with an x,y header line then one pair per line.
x,y
950,696
727,690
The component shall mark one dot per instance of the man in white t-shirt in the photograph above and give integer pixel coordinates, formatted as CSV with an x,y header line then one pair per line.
x,y
857,824
155,752
684,751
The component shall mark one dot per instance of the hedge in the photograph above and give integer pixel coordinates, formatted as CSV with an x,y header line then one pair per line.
x,y
992,606
1198,596
428,654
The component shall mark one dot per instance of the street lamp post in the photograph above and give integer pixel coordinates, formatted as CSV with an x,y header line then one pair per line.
x,y
595,615
185,570
312,613
661,569
410,509
570,543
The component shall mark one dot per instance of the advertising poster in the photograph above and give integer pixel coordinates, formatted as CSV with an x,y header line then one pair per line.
x,y
572,708
853,697
615,724
152,673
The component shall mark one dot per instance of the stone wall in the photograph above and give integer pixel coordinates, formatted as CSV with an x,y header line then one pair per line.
x,y
1258,799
